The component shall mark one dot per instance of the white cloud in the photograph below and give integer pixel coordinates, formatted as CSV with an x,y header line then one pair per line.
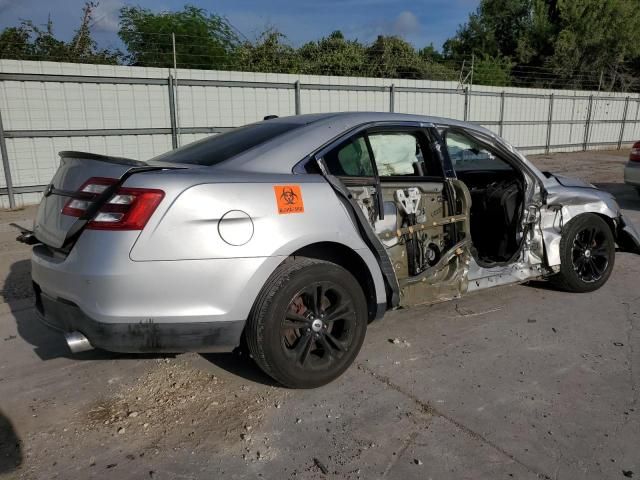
x,y
106,16
406,23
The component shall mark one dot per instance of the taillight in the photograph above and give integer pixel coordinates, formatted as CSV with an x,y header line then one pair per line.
x,y
127,209
635,152
90,190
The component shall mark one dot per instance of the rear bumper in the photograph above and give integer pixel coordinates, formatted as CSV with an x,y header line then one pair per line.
x,y
65,316
161,306
632,174
109,287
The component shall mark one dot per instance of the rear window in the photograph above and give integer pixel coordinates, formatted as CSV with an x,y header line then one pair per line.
x,y
218,148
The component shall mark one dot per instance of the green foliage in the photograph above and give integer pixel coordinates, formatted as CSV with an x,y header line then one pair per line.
x,y
334,55
202,40
596,38
393,57
269,54
533,43
31,42
554,43
492,71
15,42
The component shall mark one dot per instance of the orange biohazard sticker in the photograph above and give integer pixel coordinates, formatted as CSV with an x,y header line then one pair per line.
x,y
289,199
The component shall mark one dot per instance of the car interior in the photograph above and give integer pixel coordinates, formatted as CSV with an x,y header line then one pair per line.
x,y
404,159
497,193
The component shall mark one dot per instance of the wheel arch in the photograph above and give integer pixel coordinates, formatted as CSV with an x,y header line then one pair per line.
x,y
614,224
610,221
351,261
552,230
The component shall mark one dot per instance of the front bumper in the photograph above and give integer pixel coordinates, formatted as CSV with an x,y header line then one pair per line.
x,y
628,238
149,336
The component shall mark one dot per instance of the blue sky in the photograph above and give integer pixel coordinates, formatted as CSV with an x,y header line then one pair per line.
x,y
419,21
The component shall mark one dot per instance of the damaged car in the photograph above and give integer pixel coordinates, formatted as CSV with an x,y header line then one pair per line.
x,y
293,234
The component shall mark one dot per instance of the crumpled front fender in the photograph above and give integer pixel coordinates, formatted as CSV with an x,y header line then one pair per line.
x,y
566,203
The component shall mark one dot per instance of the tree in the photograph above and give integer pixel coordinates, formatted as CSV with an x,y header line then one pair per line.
x,y
31,42
596,40
430,54
15,42
334,55
202,40
493,29
270,53
492,71
577,43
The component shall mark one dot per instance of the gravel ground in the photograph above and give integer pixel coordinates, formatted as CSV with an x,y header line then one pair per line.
x,y
515,382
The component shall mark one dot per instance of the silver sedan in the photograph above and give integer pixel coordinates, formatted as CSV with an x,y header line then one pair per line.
x,y
293,234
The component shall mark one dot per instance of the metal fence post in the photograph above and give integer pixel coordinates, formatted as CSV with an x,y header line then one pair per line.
x,y
296,86
501,124
466,103
6,167
172,113
624,121
549,123
392,95
587,125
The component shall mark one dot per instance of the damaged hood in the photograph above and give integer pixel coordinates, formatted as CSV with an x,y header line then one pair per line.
x,y
569,181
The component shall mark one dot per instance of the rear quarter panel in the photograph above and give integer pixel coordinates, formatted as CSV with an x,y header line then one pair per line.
x,y
188,227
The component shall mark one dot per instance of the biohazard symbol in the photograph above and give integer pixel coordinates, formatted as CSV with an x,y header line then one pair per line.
x,y
289,199
288,196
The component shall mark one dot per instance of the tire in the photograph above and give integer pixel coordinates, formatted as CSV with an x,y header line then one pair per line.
x,y
298,341
587,254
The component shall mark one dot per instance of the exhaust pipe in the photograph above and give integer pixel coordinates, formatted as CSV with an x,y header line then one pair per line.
x,y
77,342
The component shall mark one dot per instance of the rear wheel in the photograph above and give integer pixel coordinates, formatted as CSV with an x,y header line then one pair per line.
x,y
308,323
587,253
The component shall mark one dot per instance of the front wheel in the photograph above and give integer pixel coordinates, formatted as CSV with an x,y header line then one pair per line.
x,y
587,254
308,323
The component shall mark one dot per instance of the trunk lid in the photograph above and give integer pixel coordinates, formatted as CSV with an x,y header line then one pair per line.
x,y
53,228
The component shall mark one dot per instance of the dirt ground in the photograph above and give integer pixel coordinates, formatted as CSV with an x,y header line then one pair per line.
x,y
514,382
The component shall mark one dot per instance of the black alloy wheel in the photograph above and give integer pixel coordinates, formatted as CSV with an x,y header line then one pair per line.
x,y
587,254
318,327
590,253
308,323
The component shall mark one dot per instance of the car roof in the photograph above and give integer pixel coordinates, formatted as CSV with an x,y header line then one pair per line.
x,y
283,152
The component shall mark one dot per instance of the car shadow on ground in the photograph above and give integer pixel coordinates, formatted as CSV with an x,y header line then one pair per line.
x,y
627,197
10,446
48,343
240,364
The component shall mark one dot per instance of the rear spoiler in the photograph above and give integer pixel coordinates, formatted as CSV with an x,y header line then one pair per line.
x,y
101,158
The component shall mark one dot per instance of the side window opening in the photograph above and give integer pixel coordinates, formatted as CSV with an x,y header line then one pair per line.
x,y
396,154
350,159
467,155
403,154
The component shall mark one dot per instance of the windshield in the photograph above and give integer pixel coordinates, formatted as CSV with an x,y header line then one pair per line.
x,y
218,148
